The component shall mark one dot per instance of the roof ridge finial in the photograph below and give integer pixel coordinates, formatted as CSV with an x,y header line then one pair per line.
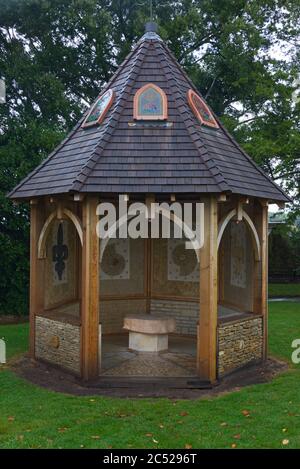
x,y
151,11
151,26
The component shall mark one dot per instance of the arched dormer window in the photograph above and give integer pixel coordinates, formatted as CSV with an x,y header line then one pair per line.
x,y
99,109
201,110
150,103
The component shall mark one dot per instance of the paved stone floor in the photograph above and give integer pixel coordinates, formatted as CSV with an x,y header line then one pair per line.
x,y
178,361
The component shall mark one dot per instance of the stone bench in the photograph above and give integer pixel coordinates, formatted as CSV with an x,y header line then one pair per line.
x,y
149,332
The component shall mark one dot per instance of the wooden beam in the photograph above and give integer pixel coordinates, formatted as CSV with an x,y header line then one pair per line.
x,y
60,211
78,197
90,291
260,302
222,198
207,329
264,202
239,212
36,298
264,280
244,200
241,202
150,199
148,272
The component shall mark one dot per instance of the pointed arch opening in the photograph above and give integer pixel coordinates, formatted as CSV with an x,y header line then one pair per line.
x,y
254,235
239,255
48,225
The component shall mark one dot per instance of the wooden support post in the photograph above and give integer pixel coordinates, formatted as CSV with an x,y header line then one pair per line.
x,y
36,270
90,291
260,302
148,272
207,330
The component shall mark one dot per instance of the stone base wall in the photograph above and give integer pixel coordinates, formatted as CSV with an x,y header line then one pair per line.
x,y
58,343
239,343
185,313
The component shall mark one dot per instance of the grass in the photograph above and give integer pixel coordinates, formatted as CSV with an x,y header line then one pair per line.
x,y
284,289
31,417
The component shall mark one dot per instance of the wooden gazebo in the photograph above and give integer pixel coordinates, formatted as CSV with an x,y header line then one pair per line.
x,y
149,136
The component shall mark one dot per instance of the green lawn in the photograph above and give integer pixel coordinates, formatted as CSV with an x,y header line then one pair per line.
x,y
284,289
31,417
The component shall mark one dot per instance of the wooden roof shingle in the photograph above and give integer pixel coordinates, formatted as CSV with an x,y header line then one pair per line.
x,y
124,156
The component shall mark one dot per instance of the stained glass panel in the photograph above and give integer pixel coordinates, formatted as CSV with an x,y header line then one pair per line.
x,y
99,109
201,110
150,103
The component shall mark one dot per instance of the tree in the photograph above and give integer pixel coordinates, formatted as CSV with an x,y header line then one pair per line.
x,y
56,56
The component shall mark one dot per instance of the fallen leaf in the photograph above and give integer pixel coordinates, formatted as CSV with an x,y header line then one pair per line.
x,y
184,414
233,445
223,424
92,400
161,425
284,430
149,434
154,441
11,419
237,437
188,446
246,413
62,430
95,437
285,442
21,437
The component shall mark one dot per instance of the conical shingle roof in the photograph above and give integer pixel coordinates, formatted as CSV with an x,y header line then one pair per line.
x,y
125,156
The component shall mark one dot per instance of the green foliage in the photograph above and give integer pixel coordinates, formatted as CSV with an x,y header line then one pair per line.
x,y
284,249
22,147
260,416
56,55
284,289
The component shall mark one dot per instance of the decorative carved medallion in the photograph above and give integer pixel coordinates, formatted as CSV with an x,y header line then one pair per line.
x,y
182,263
238,242
54,342
115,260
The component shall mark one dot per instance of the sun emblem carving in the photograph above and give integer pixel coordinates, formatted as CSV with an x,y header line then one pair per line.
x,y
113,263
185,259
183,263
